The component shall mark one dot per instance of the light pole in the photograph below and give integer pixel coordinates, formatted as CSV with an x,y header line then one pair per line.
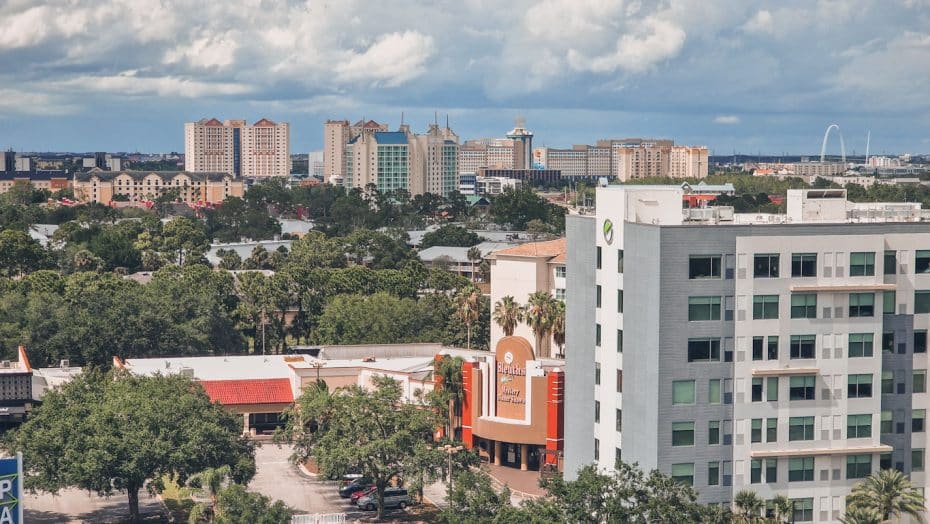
x,y
450,450
318,364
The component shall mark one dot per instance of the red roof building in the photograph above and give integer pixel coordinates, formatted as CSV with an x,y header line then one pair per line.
x,y
249,391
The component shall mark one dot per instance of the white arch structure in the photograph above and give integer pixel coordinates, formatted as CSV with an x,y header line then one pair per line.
x,y
826,135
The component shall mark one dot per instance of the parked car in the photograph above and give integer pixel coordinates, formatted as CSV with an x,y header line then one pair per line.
x,y
361,493
354,485
393,498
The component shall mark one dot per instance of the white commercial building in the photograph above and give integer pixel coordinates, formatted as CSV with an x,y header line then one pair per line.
x,y
782,354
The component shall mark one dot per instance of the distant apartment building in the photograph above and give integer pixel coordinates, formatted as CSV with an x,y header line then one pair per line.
x,y
816,169
136,186
53,181
495,185
393,160
494,153
784,354
336,136
579,162
626,159
522,145
259,150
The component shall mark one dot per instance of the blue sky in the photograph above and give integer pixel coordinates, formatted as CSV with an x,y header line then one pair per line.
x,y
749,76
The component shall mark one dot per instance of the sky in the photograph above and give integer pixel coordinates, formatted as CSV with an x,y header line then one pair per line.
x,y
747,76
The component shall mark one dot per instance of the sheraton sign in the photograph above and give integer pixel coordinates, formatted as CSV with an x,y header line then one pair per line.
x,y
511,356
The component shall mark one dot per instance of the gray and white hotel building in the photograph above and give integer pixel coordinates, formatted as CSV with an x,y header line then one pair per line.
x,y
785,354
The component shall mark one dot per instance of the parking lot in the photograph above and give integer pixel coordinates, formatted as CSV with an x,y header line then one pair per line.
x,y
278,478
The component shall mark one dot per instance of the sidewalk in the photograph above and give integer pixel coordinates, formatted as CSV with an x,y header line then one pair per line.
x,y
523,485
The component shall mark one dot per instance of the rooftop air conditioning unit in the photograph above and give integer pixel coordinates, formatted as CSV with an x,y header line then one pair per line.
x,y
187,372
5,364
64,363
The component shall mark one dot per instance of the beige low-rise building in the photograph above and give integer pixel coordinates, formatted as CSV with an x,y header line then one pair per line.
x,y
137,186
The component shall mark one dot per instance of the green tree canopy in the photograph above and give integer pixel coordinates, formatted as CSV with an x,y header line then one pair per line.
x,y
450,235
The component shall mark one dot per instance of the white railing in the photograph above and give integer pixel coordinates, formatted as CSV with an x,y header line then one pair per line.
x,y
319,518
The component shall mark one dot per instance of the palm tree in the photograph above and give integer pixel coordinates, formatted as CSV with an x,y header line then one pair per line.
x,y
474,255
468,308
890,494
451,394
861,516
539,317
508,313
209,482
558,325
748,507
782,509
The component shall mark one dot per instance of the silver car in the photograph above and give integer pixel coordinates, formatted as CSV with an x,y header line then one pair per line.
x,y
393,498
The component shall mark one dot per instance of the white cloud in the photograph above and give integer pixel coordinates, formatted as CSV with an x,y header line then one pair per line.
x,y
655,41
392,60
761,22
130,83
727,119
207,52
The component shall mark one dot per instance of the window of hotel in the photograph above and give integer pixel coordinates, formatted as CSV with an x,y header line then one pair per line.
x,y
559,271
888,302
887,382
804,265
703,308
917,459
771,389
862,304
683,392
922,261
619,381
771,471
771,430
862,264
804,305
560,293
713,473
619,301
888,342
757,344
918,420
884,461
597,335
619,341
713,432
597,449
859,386
890,263
922,302
920,341
704,266
597,296
755,430
920,381
597,373
755,471
682,433
860,345
886,424
620,261
801,428
773,348
703,350
713,391
801,388
598,257
619,420
764,307
757,389
618,462
597,411
800,469
683,473
765,266
858,466
802,510
859,426
803,346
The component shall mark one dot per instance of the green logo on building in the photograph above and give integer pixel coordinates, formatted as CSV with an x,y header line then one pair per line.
x,y
608,231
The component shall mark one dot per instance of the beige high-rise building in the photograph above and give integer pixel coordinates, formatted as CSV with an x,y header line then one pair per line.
x,y
688,162
260,150
581,161
633,158
492,153
335,138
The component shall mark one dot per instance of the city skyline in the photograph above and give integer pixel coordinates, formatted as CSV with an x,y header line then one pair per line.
x,y
764,78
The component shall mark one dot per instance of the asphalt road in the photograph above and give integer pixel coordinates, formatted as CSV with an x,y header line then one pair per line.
x,y
74,506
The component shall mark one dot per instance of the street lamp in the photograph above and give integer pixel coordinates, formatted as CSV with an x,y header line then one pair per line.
x,y
450,450
318,364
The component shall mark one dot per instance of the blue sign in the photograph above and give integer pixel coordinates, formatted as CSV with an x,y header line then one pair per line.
x,y
11,490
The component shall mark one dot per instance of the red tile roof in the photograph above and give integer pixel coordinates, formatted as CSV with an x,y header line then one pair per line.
x,y
251,391
549,248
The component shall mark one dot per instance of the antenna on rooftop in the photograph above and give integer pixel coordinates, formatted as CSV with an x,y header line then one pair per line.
x,y
401,118
447,120
436,117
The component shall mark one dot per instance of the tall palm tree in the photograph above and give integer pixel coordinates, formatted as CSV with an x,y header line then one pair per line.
x,y
538,314
889,493
209,482
782,509
508,313
558,325
474,255
861,516
468,308
748,507
451,394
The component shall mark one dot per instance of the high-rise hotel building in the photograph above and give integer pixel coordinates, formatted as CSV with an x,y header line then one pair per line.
x,y
783,354
259,150
625,159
